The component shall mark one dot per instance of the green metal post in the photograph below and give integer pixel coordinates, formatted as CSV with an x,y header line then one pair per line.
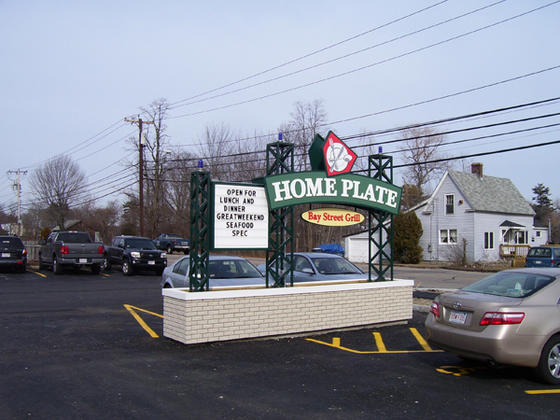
x,y
380,224
200,231
279,261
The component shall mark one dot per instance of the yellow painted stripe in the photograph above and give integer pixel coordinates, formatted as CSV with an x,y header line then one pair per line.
x,y
140,321
420,339
39,274
105,275
144,310
379,343
336,344
542,391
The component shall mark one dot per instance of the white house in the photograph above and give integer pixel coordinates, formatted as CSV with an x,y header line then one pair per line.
x,y
479,213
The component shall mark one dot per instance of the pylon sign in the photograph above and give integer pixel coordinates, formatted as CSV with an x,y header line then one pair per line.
x,y
330,181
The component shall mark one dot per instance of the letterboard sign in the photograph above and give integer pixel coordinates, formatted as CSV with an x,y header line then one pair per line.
x,y
240,217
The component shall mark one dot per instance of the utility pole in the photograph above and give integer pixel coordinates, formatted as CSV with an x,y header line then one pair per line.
x,y
17,187
140,122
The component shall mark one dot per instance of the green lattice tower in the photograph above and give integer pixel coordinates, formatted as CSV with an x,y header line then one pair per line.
x,y
380,224
279,261
200,231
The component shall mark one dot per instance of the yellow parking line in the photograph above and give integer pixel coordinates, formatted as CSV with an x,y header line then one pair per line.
x,y
39,274
542,391
133,309
420,339
379,343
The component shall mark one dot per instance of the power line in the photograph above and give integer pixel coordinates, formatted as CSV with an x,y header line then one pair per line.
x,y
260,73
355,70
283,76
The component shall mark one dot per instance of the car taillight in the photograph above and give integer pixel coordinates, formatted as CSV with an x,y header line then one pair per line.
x,y
434,308
24,252
64,249
101,249
502,318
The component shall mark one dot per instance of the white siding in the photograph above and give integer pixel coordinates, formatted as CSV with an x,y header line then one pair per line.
x,y
490,222
433,219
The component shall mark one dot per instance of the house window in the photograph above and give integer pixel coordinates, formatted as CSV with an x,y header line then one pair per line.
x,y
449,204
538,233
488,240
448,236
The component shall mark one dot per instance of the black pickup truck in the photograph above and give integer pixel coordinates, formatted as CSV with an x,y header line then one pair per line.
x,y
133,253
71,249
171,242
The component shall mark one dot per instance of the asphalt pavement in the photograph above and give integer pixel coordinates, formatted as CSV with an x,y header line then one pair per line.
x,y
78,345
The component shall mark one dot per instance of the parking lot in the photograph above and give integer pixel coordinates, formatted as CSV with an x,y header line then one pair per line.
x,y
79,345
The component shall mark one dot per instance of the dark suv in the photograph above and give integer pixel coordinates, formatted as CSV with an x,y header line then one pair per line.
x,y
134,253
12,253
543,256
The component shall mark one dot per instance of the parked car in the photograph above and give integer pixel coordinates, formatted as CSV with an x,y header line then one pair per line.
x,y
133,253
510,317
71,249
171,242
320,266
224,270
13,253
543,256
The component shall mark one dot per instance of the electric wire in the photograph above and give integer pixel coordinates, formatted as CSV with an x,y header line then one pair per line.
x,y
302,57
355,70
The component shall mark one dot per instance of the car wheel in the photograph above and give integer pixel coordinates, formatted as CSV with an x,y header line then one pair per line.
x,y
126,268
167,286
549,364
169,249
95,268
56,267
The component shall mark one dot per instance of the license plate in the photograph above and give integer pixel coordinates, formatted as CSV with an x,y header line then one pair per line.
x,y
457,317
82,260
538,262
6,255
151,262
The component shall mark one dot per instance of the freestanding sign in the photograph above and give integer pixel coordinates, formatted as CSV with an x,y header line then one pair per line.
x,y
315,187
240,216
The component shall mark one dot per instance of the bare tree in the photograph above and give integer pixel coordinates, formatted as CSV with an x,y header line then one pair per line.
x,y
300,130
57,185
421,147
155,146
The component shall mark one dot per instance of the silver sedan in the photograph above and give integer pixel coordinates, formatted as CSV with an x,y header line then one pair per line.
x,y
511,317
224,270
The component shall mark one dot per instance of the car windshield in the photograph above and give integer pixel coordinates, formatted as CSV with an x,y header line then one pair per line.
x,y
232,269
335,266
510,284
539,252
140,244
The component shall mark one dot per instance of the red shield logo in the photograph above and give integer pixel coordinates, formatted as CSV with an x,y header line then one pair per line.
x,y
339,158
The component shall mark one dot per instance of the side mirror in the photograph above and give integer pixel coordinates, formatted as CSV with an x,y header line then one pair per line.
x,y
308,271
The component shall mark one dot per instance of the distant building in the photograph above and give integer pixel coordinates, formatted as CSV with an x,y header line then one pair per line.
x,y
484,215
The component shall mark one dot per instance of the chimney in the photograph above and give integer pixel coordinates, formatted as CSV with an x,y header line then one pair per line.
x,y
476,168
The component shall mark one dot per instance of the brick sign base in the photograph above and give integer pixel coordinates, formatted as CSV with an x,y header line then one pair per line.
x,y
221,315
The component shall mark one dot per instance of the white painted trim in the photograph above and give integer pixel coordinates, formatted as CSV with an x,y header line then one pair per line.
x,y
301,288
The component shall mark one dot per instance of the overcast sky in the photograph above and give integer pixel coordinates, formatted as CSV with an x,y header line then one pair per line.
x,y
72,70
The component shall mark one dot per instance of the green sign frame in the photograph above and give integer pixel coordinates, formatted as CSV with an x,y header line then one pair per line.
x,y
348,189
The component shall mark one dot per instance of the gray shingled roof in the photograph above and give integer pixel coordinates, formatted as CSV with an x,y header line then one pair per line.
x,y
491,194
